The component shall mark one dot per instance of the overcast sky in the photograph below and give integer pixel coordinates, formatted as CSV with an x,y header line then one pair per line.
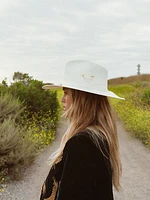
x,y
38,37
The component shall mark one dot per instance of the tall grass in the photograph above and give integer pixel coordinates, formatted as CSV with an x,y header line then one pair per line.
x,y
134,112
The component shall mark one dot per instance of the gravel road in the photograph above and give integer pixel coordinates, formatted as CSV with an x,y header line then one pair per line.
x,y
135,179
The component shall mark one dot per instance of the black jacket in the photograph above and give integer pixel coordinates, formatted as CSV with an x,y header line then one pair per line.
x,y
83,172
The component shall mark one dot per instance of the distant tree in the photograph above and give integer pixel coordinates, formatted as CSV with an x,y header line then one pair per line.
x,y
4,87
4,82
22,77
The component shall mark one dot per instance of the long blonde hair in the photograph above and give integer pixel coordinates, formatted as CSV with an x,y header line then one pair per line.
x,y
93,113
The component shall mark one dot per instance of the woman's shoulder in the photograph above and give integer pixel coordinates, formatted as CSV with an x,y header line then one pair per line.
x,y
81,148
87,137
79,140
84,141
82,137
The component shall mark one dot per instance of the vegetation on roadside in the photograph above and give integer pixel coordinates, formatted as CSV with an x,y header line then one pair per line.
x,y
28,119
135,110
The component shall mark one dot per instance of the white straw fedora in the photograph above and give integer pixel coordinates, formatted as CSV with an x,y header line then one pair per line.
x,y
85,76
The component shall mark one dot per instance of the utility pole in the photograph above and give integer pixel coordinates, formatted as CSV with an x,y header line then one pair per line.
x,y
138,69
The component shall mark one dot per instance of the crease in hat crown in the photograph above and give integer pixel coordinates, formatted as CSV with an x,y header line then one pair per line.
x,y
85,76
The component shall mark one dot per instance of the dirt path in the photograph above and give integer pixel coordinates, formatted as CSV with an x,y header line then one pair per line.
x,y
136,168
135,179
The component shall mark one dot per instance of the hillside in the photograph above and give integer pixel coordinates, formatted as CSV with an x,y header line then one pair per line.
x,y
128,80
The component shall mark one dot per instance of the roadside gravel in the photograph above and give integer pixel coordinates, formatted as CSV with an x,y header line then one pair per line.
x,y
135,179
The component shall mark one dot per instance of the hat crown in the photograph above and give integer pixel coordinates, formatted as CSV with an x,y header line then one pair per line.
x,y
85,74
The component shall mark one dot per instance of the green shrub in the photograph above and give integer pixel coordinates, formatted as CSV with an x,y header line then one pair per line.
x,y
146,96
42,128
28,122
16,148
122,90
133,113
35,98
9,107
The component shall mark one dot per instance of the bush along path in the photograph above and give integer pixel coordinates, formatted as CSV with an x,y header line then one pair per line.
x,y
135,179
30,185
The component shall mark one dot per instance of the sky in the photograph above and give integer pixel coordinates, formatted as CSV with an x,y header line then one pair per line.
x,y
39,37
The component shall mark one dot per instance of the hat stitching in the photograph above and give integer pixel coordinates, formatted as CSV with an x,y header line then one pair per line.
x,y
87,79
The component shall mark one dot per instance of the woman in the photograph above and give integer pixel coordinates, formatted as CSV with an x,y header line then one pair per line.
x,y
87,165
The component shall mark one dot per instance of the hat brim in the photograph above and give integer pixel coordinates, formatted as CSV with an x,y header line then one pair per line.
x,y
98,92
